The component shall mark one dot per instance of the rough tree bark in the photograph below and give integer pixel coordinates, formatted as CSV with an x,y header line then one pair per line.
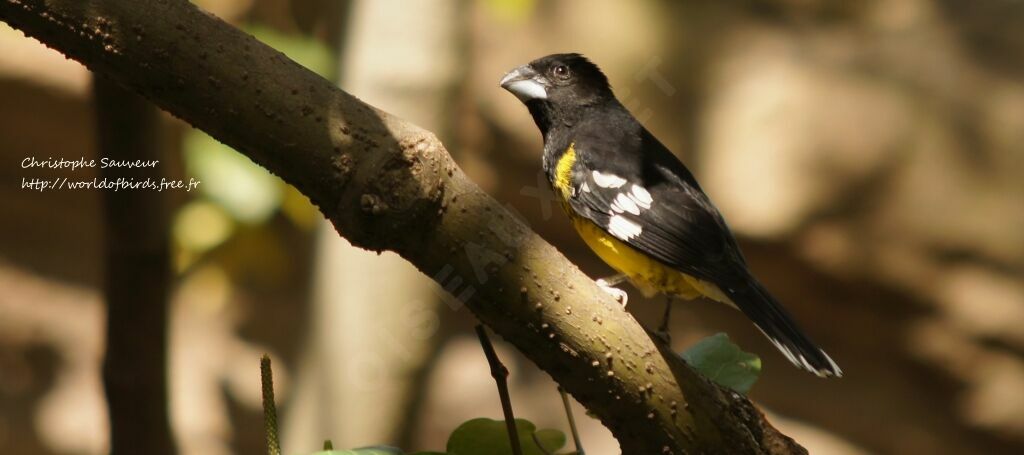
x,y
389,185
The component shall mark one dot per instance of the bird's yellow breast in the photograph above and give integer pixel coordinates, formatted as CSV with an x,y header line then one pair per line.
x,y
647,274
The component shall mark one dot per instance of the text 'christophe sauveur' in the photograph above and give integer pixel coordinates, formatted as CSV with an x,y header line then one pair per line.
x,y
80,163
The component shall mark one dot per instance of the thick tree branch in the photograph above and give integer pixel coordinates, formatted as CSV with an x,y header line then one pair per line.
x,y
386,184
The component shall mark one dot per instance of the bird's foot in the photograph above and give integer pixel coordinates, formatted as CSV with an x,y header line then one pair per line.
x,y
663,331
608,286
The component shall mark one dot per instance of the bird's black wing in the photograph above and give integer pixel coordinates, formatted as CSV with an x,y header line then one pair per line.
x,y
647,199
653,204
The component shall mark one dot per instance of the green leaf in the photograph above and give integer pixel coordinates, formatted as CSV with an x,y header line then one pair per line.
x,y
489,437
247,192
723,362
552,440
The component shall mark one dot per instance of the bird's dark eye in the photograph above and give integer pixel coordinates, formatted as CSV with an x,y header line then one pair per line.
x,y
561,72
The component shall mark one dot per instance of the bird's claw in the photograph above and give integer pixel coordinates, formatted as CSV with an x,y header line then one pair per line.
x,y
621,296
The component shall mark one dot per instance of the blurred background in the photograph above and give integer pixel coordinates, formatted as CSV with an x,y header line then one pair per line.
x,y
869,155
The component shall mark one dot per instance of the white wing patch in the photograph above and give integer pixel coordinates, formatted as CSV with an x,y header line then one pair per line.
x,y
636,199
641,197
623,228
624,203
630,201
608,180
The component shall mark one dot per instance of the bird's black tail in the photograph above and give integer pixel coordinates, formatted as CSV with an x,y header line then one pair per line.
x,y
776,323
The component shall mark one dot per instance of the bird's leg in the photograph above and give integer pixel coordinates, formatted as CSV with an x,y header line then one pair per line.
x,y
663,328
608,285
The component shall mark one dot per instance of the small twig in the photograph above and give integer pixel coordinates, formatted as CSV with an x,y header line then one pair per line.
x,y
269,409
572,422
500,375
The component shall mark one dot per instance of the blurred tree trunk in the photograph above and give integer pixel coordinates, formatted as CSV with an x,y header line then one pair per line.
x,y
375,317
137,275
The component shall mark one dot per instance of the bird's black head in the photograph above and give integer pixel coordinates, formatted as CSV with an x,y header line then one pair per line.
x,y
558,87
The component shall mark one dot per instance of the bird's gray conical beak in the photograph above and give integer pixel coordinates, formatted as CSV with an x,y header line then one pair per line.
x,y
525,83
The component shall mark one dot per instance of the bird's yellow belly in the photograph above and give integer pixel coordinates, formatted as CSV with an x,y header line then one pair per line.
x,y
648,275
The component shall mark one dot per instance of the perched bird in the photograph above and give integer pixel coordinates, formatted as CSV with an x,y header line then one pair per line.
x,y
638,207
